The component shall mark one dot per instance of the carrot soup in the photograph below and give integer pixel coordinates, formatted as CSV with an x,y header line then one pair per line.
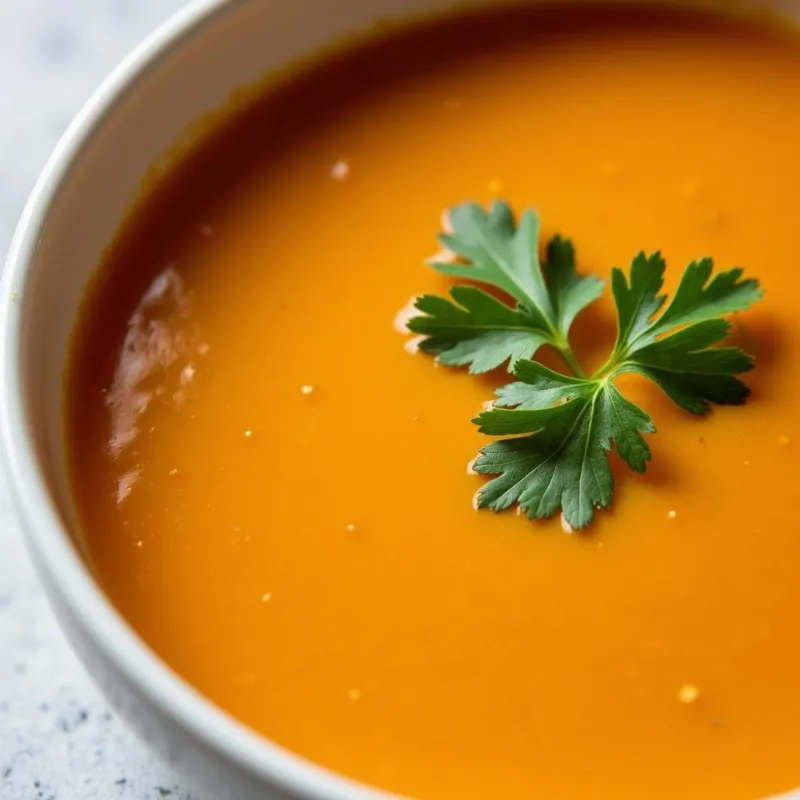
x,y
273,482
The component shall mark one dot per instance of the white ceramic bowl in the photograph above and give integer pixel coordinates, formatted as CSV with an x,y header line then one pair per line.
x,y
188,67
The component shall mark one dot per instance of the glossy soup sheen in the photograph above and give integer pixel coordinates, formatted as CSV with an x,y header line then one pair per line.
x,y
311,560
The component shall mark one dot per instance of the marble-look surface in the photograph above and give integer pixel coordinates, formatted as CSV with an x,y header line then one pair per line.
x,y
58,740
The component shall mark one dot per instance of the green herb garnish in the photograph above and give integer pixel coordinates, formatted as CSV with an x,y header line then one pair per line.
x,y
476,329
562,427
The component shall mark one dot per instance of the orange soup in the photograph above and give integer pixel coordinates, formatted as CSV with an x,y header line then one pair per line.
x,y
273,490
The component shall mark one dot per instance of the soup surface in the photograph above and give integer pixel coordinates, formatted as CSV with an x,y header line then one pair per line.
x,y
310,558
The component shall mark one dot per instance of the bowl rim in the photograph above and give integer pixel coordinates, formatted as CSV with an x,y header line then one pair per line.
x,y
46,535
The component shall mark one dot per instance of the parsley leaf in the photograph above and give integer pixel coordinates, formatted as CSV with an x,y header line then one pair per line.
x,y
672,350
559,429
572,423
475,329
562,462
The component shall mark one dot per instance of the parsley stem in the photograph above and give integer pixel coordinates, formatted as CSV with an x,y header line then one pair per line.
x,y
614,361
565,351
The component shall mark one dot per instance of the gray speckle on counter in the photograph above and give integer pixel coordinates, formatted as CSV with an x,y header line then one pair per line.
x,y
58,740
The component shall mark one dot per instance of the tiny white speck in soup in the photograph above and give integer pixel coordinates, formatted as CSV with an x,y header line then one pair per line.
x,y
688,694
340,170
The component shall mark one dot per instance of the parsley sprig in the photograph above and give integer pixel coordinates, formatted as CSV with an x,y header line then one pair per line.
x,y
476,329
558,429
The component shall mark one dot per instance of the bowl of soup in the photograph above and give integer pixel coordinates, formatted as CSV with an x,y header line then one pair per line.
x,y
252,498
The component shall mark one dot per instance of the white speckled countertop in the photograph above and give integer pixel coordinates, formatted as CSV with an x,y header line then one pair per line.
x,y
58,740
